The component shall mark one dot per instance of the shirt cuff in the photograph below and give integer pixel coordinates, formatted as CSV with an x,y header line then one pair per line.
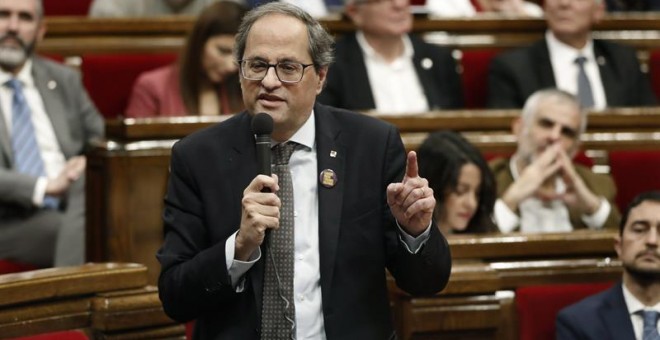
x,y
236,268
414,244
506,219
39,191
597,219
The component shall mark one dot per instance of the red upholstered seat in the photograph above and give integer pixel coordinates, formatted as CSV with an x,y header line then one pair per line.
x,y
475,76
634,172
537,306
109,78
7,267
64,335
66,7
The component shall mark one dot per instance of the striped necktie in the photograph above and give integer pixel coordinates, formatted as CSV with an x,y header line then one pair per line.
x,y
585,95
27,154
650,331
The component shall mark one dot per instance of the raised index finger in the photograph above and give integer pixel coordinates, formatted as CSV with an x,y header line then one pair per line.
x,y
412,170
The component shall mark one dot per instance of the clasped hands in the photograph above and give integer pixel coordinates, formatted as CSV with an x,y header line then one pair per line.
x,y
537,179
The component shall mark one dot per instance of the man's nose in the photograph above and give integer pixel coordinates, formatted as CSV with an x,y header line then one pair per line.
x,y
271,79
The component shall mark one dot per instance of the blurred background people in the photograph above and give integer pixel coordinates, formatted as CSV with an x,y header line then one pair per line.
x,y
146,8
540,189
462,183
382,67
47,120
628,310
468,8
600,73
205,79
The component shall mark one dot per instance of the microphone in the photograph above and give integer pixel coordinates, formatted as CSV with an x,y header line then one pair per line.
x,y
262,127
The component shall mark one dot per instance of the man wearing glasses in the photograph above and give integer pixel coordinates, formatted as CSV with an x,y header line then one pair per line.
x,y
383,68
344,204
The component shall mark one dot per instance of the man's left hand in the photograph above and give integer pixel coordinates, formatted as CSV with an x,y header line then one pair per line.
x,y
411,201
577,193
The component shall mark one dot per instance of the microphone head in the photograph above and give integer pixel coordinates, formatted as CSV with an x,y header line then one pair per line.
x,y
262,124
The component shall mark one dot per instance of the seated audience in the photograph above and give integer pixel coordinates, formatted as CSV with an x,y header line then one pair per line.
x,y
146,8
601,73
385,68
316,8
540,189
628,310
468,8
47,120
462,183
205,79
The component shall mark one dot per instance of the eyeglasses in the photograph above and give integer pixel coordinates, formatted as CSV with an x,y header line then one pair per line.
x,y
286,71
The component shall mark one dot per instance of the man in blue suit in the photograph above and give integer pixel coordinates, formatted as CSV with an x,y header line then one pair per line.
x,y
628,310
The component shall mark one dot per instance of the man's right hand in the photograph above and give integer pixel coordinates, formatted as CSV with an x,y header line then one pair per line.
x,y
260,212
73,169
532,178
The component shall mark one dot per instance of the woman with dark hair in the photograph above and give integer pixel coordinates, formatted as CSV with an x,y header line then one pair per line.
x,y
462,183
205,80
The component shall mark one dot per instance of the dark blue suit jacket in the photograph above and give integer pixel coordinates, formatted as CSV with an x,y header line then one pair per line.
x,y
358,237
599,317
515,75
347,85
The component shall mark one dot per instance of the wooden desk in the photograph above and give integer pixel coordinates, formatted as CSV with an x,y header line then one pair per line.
x,y
107,300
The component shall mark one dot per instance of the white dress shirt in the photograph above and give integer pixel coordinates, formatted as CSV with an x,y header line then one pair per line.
x,y
635,306
540,216
565,70
51,153
394,85
464,8
307,273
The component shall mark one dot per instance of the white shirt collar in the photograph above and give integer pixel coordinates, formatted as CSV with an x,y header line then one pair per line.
x,y
633,304
565,53
24,75
370,53
306,135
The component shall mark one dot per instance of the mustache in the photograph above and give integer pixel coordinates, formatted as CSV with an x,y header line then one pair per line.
x,y
16,38
650,252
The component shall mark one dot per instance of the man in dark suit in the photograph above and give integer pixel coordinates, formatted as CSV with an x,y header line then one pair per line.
x,y
382,67
540,189
611,71
628,310
45,113
352,219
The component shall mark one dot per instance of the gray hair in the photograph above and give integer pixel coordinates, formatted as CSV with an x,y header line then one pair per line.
x,y
558,96
320,41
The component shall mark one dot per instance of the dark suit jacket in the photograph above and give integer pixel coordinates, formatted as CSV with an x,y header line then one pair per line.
x,y
76,122
515,75
603,316
348,83
601,185
357,234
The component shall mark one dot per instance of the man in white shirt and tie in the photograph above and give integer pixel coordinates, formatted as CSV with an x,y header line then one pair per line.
x,y
46,119
540,189
628,310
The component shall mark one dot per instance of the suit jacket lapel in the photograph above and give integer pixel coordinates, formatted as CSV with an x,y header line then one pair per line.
x,y
615,315
361,91
5,142
542,56
425,75
330,154
47,88
607,76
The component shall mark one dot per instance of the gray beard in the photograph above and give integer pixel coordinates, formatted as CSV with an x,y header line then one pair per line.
x,y
11,57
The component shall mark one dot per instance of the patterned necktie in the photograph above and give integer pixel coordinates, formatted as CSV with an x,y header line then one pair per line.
x,y
27,155
584,87
278,313
650,331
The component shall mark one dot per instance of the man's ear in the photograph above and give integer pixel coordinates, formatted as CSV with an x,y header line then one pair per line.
x,y
516,126
323,74
41,31
617,245
351,11
599,12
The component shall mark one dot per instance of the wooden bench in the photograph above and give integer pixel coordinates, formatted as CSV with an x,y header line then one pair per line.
x,y
104,300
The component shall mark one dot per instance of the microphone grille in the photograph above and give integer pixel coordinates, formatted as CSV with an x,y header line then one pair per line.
x,y
262,124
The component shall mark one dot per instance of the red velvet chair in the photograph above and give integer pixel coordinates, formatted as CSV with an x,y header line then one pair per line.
x,y
634,172
109,78
8,267
66,7
475,76
64,335
537,306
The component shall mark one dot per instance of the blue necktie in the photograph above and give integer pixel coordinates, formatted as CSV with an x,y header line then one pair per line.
x,y
584,87
27,155
650,331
